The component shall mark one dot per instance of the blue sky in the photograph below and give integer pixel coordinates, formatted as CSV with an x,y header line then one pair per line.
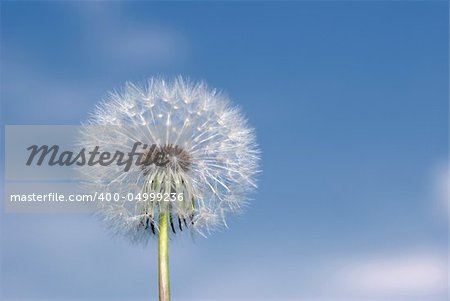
x,y
350,104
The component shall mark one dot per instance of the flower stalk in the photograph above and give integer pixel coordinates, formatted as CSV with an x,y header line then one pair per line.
x,y
163,257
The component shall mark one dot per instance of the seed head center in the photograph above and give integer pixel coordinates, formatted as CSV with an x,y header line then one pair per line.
x,y
167,156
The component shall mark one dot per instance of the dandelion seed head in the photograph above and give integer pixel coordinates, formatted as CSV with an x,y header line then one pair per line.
x,y
202,147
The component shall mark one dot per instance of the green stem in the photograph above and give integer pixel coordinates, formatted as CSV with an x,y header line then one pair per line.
x,y
163,257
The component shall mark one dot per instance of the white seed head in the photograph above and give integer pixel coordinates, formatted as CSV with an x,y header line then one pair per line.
x,y
207,151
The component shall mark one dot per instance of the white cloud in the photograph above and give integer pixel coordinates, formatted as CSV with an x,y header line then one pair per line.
x,y
441,187
115,37
32,96
112,45
418,274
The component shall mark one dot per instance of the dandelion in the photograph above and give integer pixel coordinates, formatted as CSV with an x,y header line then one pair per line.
x,y
199,160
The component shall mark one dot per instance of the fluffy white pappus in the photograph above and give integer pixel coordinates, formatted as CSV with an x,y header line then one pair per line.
x,y
207,154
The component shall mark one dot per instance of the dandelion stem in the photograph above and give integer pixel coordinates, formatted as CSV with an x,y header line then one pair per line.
x,y
163,257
